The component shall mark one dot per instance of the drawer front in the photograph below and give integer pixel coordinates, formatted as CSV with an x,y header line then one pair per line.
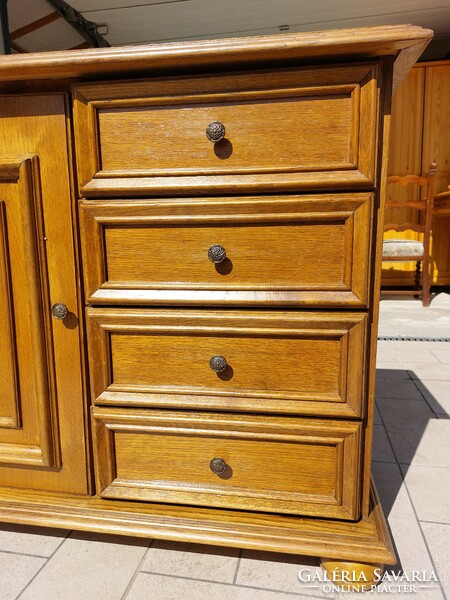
x,y
296,128
287,362
284,465
297,250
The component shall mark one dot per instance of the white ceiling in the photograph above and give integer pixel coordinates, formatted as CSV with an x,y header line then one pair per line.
x,y
144,21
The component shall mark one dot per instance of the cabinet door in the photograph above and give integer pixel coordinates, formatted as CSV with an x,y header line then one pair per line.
x,y
28,431
42,443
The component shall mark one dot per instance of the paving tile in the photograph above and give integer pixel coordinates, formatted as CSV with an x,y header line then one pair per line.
x,y
397,590
24,539
381,450
424,372
438,536
376,416
192,560
15,572
390,370
278,572
387,354
416,355
169,588
429,488
442,354
437,394
88,566
397,388
416,435
407,536
399,512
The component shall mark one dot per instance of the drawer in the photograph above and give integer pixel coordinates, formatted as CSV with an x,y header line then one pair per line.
x,y
289,129
282,465
287,362
293,250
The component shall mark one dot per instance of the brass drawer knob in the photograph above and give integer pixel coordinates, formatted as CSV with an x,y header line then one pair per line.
x,y
60,311
218,364
215,132
218,466
217,254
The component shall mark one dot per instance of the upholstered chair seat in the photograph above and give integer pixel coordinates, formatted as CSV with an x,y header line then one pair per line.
x,y
398,248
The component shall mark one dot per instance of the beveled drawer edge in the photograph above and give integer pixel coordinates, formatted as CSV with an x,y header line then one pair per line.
x,y
347,435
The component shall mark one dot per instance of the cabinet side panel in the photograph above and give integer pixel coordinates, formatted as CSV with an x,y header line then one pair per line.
x,y
385,102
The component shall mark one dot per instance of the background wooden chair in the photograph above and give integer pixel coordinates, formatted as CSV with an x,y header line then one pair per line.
x,y
402,250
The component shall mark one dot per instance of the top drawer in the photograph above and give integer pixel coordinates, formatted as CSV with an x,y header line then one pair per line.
x,y
291,129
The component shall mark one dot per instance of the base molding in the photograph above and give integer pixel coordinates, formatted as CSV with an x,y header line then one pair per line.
x,y
365,541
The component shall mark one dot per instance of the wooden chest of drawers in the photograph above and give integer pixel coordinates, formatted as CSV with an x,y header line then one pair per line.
x,y
227,197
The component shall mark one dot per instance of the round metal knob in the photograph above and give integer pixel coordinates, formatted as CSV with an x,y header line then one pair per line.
x,y
217,254
215,132
218,466
60,311
218,364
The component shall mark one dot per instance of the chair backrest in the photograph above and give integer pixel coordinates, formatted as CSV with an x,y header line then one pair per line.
x,y
423,204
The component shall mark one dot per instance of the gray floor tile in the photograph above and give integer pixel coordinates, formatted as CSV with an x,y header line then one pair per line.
x,y
415,433
192,560
416,355
387,354
399,512
424,372
429,488
391,590
148,586
381,450
390,370
88,566
278,572
442,354
15,572
376,416
408,317
437,394
438,539
397,388
39,541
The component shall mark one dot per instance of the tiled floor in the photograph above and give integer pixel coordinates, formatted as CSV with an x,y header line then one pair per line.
x,y
411,468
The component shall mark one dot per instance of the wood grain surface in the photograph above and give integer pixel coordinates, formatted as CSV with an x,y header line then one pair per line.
x,y
292,362
405,42
134,249
316,461
41,258
279,125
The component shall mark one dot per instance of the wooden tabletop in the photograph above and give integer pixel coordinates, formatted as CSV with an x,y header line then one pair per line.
x,y
405,42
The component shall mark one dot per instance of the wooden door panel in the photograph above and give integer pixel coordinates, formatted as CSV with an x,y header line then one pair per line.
x,y
9,398
25,349
42,406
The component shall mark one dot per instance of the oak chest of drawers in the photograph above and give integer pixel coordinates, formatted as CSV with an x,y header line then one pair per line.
x,y
203,369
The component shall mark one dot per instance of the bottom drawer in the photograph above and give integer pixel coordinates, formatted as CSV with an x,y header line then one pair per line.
x,y
276,464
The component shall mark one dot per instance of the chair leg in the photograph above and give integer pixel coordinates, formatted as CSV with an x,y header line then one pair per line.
x,y
425,283
417,277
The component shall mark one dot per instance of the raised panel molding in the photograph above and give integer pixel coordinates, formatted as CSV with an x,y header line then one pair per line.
x,y
144,343
9,396
27,430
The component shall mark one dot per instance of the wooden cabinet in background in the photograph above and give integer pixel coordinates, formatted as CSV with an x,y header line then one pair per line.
x,y
420,134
